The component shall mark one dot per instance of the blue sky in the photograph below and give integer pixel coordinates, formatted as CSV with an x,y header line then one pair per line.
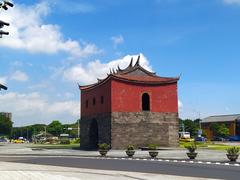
x,y
55,44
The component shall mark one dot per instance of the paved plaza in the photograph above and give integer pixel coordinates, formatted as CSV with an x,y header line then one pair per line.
x,y
172,153
21,170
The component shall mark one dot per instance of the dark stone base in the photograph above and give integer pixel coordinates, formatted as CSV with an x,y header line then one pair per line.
x,y
88,131
143,128
119,129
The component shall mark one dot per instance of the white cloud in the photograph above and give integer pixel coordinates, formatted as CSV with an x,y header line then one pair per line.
x,y
180,104
232,1
117,40
89,73
19,76
29,32
35,108
3,80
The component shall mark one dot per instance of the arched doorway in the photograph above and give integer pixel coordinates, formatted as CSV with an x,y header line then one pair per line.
x,y
93,135
145,102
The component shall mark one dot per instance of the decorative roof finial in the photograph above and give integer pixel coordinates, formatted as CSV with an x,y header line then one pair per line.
x,y
131,62
119,68
110,71
138,60
113,70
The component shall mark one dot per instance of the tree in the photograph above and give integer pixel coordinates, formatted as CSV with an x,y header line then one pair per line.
x,y
220,130
55,128
5,125
189,126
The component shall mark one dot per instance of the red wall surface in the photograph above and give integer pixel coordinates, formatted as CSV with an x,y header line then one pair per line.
x,y
102,90
127,97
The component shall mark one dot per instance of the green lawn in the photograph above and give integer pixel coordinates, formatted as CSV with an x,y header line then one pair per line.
x,y
55,146
208,145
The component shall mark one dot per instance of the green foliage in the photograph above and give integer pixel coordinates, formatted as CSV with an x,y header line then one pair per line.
x,y
55,128
65,141
103,146
191,147
130,147
75,141
73,132
233,150
190,126
152,146
219,130
5,125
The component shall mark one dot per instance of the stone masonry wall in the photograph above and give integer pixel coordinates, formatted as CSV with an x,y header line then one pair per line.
x,y
104,129
143,128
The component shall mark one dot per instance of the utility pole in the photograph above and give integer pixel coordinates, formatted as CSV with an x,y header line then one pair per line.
x,y
45,128
78,128
4,5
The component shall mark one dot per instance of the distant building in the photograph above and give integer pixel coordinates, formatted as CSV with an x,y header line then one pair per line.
x,y
7,114
130,106
232,122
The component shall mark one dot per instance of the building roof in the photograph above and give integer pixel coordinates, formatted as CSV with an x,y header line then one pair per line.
x,y
221,118
3,87
135,74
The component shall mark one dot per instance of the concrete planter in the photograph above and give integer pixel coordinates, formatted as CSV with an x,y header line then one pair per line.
x,y
153,154
103,152
130,153
192,155
232,157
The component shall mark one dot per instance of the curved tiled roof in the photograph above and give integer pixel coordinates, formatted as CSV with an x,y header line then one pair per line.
x,y
133,74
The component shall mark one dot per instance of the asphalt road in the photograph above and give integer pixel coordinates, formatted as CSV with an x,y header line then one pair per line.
x,y
170,168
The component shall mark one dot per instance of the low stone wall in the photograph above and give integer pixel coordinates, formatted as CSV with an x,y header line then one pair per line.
x,y
143,128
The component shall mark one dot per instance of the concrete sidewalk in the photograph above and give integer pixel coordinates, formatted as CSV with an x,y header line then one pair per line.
x,y
179,154
173,153
20,171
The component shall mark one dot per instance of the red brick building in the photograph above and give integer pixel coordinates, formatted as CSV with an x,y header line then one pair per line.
x,y
130,106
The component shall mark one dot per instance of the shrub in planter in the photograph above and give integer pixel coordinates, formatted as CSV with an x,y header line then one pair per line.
x,y
103,149
130,150
152,150
232,153
191,150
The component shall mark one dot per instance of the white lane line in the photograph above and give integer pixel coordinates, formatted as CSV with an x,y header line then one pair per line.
x,y
227,164
200,162
208,163
167,160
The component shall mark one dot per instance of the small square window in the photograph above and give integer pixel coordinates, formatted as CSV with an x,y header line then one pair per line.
x,y
94,101
86,104
102,99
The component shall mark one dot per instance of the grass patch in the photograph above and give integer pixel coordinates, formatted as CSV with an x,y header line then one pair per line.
x,y
56,146
208,145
